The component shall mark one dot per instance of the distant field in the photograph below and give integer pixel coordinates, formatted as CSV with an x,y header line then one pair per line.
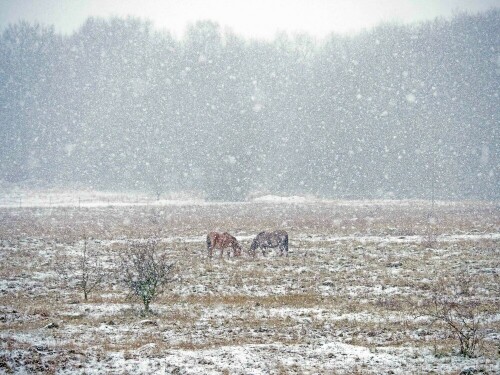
x,y
351,298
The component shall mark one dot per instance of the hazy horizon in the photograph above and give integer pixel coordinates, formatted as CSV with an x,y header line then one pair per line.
x,y
256,19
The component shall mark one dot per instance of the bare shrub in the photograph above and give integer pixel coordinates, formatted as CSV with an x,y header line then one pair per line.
x,y
91,271
87,270
453,304
145,271
430,237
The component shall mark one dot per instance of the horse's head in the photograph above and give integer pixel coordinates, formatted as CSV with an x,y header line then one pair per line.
x,y
237,249
253,246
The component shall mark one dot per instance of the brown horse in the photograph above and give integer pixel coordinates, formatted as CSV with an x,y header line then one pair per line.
x,y
264,240
220,241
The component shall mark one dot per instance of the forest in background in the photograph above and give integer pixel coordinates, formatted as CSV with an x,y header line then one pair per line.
x,y
397,111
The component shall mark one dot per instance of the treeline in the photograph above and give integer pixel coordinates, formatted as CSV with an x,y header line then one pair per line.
x,y
398,111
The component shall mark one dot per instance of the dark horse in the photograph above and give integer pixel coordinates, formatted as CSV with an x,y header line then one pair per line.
x,y
220,241
264,240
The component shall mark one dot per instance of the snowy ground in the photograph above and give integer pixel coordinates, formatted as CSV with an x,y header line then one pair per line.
x,y
345,301
23,198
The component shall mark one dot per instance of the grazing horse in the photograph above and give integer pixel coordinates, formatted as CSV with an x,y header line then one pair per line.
x,y
220,241
264,240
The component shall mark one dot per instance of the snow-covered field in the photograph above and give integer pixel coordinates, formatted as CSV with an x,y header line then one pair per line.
x,y
23,198
349,298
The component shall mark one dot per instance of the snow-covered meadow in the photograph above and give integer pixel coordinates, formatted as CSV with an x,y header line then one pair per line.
x,y
350,298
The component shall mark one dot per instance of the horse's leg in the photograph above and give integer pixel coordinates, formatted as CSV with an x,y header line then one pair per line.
x,y
285,245
283,249
209,245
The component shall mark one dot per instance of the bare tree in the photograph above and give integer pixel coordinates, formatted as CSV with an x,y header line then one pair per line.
x,y
145,271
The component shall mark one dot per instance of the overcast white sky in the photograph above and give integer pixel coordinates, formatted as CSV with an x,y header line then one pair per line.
x,y
252,18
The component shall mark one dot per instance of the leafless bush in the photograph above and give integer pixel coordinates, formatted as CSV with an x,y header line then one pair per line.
x,y
495,288
145,271
430,237
87,269
453,304
91,271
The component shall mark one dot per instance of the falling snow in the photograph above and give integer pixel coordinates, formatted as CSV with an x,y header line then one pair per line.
x,y
378,152
118,105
